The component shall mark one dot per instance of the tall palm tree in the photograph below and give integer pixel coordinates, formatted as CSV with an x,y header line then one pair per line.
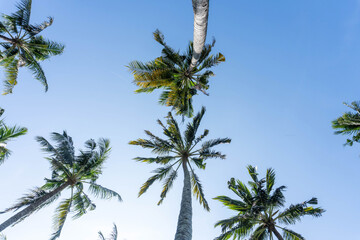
x,y
170,73
177,151
68,172
22,46
259,210
349,123
7,134
113,235
201,16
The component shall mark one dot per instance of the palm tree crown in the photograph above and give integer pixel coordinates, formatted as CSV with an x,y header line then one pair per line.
x,y
171,72
349,123
23,46
113,235
259,210
7,134
69,172
178,150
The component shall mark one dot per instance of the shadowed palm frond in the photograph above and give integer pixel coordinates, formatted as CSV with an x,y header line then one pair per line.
x,y
23,46
103,192
291,235
60,216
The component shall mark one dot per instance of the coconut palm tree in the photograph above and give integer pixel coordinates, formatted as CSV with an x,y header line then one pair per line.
x,y
113,235
177,151
201,16
7,134
170,72
259,214
68,172
22,46
349,123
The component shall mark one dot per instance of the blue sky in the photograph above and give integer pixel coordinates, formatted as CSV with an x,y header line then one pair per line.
x,y
289,66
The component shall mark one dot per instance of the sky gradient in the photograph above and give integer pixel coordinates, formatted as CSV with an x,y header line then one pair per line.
x,y
289,66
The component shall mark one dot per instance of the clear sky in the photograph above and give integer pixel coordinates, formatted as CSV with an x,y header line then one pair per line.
x,y
289,66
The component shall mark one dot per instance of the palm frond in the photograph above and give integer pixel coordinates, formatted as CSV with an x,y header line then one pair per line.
x,y
293,214
160,159
168,184
60,216
198,190
11,66
103,192
161,173
291,235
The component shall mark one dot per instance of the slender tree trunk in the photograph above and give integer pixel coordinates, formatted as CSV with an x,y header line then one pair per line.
x,y
32,207
184,225
277,234
201,13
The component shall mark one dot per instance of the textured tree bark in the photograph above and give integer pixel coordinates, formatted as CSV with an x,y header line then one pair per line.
x,y
32,207
184,225
201,14
277,234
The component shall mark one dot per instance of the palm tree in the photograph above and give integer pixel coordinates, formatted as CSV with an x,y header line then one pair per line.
x,y
7,134
201,16
179,151
170,73
259,210
349,123
113,235
68,172
23,46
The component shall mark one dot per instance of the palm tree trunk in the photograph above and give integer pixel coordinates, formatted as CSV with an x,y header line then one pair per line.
x,y
25,212
201,13
184,225
277,234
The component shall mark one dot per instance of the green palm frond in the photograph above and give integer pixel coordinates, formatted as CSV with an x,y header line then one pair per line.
x,y
291,235
160,159
293,214
7,134
103,192
260,233
349,123
161,173
11,72
23,46
233,204
30,198
270,180
198,190
113,235
81,204
168,183
214,142
191,129
60,216
237,232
